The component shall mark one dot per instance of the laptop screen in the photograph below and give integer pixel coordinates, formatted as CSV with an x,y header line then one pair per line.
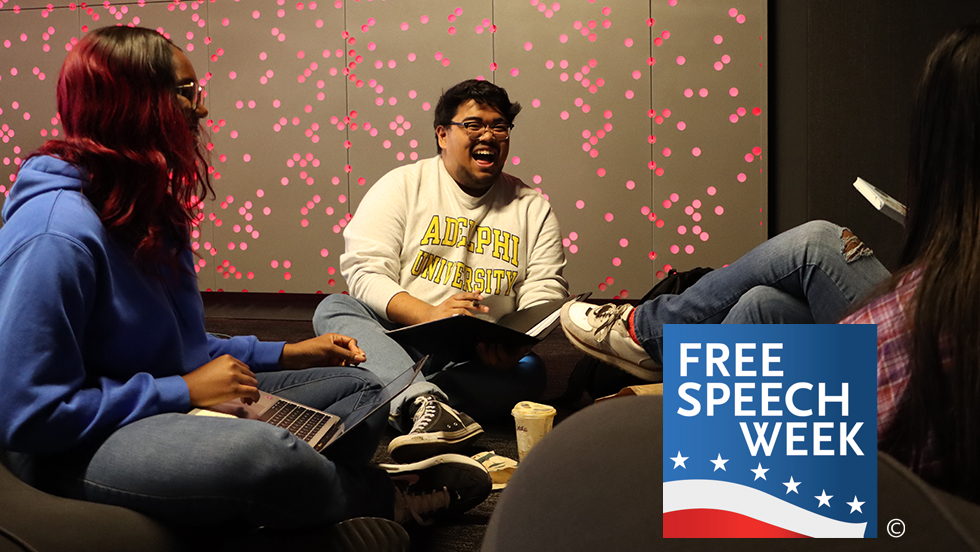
x,y
385,394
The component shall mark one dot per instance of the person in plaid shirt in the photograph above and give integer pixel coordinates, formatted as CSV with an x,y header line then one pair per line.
x,y
927,312
928,325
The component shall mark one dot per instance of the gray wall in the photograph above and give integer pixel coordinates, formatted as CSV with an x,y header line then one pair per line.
x,y
278,97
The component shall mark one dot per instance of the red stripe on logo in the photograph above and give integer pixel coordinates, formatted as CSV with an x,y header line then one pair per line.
x,y
719,524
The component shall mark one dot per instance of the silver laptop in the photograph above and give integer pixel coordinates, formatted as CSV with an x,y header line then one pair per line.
x,y
316,427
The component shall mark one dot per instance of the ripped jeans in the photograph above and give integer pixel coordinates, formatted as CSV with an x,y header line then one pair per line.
x,y
813,273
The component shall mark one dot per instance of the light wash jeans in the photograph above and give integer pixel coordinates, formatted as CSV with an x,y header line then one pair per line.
x,y
197,470
810,274
469,387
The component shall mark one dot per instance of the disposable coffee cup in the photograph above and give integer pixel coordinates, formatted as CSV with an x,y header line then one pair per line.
x,y
532,421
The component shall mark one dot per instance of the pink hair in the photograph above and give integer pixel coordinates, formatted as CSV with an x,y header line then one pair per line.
x,y
124,126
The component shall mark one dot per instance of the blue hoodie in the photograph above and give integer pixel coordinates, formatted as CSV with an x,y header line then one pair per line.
x,y
88,341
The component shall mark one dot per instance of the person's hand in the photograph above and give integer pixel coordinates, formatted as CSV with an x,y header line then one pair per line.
x,y
500,357
325,350
465,303
223,379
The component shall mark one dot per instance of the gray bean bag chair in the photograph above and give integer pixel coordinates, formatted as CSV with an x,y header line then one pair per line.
x,y
594,483
34,521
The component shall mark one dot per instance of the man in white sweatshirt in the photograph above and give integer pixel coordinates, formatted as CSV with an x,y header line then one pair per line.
x,y
449,235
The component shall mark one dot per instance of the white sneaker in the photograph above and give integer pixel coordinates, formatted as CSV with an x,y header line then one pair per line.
x,y
445,485
601,331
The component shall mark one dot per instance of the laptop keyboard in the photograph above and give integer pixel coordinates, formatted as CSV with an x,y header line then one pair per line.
x,y
301,422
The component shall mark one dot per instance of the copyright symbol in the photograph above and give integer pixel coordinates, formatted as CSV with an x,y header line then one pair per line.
x,y
896,528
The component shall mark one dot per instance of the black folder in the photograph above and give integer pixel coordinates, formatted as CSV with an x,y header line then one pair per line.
x,y
456,337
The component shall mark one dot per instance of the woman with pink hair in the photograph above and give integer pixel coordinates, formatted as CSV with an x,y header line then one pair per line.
x,y
103,340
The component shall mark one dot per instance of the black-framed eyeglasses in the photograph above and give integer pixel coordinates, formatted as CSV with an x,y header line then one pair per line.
x,y
193,92
500,131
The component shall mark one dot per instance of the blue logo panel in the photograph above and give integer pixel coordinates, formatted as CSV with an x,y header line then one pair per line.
x,y
770,431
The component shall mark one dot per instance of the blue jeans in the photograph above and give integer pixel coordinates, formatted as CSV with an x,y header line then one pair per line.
x,y
813,273
198,470
481,392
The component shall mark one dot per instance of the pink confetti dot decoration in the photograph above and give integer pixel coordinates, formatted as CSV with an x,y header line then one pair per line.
x,y
297,91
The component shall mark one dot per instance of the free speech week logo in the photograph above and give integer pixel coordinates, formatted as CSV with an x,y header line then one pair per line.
x,y
770,431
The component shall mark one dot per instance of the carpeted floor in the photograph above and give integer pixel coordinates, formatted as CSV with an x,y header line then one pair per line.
x,y
465,533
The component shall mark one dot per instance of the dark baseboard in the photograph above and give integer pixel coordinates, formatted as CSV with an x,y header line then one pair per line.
x,y
261,306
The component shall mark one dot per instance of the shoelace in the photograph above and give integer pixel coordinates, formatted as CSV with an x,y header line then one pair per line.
x,y
428,409
424,503
603,319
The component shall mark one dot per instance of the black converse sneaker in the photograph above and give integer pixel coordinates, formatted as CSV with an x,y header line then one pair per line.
x,y
437,429
440,486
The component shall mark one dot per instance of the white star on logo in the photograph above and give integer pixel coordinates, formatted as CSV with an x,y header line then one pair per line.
x,y
792,485
679,460
719,463
854,505
759,472
824,499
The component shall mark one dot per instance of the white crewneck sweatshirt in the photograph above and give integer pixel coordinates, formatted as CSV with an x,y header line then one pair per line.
x,y
417,231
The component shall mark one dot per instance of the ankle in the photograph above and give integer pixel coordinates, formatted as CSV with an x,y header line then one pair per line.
x,y
631,326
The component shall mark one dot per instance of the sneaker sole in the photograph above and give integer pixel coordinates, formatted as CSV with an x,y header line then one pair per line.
x,y
653,376
415,447
367,534
450,462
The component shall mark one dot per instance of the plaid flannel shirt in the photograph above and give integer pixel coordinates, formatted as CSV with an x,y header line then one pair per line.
x,y
890,312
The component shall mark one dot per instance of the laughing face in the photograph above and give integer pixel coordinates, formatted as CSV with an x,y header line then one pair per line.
x,y
475,163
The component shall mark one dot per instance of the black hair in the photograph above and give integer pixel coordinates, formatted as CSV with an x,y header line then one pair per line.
x,y
483,92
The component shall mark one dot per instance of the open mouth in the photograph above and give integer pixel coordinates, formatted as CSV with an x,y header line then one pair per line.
x,y
485,157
